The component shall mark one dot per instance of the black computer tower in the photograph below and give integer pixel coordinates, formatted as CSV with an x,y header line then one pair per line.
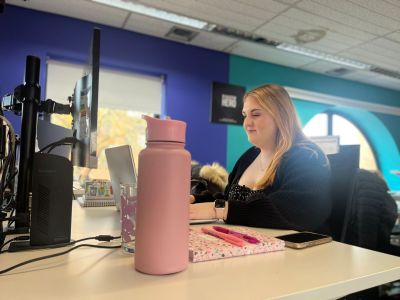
x,y
51,207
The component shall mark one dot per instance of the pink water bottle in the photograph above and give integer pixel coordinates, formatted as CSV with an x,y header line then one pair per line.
x,y
162,227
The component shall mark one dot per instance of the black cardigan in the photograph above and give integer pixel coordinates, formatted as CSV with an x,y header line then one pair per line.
x,y
298,199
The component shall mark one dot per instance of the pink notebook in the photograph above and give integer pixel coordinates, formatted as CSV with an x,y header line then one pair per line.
x,y
204,247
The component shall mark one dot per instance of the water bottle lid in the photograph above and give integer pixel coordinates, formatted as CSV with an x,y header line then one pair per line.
x,y
165,130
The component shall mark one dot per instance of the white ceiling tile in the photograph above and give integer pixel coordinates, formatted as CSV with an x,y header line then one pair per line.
x,y
282,33
355,9
147,25
289,2
379,48
388,45
375,59
395,36
390,9
339,17
212,41
270,54
315,20
266,5
295,25
394,2
79,9
241,8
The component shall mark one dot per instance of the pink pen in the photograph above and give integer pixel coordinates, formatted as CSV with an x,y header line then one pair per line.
x,y
226,237
248,238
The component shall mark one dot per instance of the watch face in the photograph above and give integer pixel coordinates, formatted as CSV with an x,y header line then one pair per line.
x,y
219,203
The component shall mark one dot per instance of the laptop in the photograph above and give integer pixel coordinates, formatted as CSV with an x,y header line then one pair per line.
x,y
121,167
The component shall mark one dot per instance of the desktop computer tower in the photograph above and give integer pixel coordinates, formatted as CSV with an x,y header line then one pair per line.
x,y
51,207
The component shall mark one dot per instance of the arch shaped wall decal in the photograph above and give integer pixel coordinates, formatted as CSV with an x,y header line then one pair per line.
x,y
372,127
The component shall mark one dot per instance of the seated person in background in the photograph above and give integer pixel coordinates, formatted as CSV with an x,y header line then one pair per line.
x,y
281,182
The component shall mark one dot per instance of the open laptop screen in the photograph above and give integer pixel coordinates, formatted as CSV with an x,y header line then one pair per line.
x,y
121,167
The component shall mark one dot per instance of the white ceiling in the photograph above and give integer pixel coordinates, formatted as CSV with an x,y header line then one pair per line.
x,y
363,30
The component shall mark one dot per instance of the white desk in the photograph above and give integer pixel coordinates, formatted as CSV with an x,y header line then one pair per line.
x,y
322,272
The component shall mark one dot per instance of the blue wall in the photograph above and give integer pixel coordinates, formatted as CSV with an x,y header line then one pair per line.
x,y
189,70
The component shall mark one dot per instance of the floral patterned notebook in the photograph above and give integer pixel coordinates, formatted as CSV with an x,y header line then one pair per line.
x,y
203,247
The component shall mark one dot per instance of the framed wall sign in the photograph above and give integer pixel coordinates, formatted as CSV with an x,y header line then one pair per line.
x,y
227,103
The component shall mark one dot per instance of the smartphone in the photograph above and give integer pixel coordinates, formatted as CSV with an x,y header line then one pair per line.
x,y
305,239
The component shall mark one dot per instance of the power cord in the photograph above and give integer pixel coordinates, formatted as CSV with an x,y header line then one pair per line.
x,y
103,238
18,238
63,142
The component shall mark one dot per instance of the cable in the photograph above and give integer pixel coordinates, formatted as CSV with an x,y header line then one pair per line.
x,y
10,156
18,238
106,238
55,255
63,141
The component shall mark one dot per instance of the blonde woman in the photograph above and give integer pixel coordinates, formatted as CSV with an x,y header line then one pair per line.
x,y
280,182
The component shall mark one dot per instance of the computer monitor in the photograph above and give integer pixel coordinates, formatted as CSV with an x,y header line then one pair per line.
x,y
84,109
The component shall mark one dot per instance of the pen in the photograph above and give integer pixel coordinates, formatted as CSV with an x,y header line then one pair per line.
x,y
248,238
226,237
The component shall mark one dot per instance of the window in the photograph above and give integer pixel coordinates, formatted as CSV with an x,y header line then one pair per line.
x,y
333,124
123,98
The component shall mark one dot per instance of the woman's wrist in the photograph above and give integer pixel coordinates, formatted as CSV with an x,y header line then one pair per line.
x,y
221,209
226,211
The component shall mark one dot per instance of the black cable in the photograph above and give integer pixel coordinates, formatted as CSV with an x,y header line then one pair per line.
x,y
18,238
67,140
57,145
103,238
55,255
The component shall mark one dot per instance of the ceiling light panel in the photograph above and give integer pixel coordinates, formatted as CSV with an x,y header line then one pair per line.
x,y
156,13
210,13
85,10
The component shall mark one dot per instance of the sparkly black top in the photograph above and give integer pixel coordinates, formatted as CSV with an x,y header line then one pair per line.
x,y
241,192
298,199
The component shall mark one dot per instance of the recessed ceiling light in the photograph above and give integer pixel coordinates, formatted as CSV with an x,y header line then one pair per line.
x,y
157,13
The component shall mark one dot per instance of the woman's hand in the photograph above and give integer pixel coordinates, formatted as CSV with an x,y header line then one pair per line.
x,y
191,199
202,211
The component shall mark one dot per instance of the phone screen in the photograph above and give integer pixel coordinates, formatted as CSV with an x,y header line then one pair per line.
x,y
301,237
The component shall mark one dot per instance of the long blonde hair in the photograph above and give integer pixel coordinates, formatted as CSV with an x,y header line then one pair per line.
x,y
276,101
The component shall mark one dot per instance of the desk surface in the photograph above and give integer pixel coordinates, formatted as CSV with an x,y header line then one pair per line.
x,y
322,272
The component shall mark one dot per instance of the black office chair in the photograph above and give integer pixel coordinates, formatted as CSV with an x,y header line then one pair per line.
x,y
344,166
363,213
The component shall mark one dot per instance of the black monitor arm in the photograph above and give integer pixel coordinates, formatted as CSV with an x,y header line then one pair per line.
x,y
51,107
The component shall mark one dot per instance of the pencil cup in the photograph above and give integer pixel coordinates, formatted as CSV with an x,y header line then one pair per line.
x,y
128,218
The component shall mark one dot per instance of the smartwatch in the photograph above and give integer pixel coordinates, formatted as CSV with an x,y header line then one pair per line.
x,y
219,207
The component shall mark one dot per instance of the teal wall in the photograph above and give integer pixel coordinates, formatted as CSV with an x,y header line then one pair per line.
x,y
381,130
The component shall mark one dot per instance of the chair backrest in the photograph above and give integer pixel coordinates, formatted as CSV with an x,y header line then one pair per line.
x,y
344,166
372,213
